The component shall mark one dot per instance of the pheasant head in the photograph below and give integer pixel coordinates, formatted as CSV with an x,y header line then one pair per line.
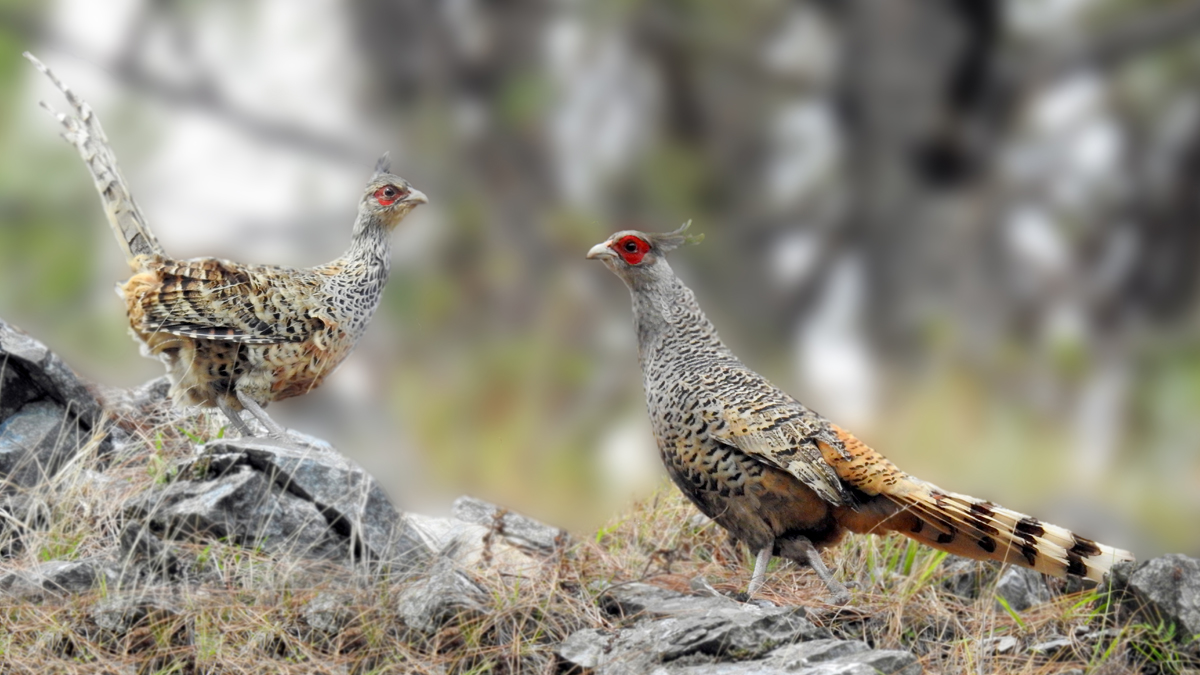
x,y
387,197
640,258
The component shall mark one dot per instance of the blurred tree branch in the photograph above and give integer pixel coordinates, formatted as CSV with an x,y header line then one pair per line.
x,y
203,96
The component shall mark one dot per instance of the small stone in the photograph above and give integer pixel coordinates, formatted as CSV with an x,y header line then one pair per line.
x,y
1022,588
519,530
428,604
1051,649
1005,644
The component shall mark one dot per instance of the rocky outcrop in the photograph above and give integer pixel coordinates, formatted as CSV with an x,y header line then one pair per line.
x,y
299,497
675,634
46,411
1163,590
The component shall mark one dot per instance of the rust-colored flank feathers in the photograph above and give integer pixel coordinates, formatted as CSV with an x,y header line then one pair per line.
x,y
237,336
777,475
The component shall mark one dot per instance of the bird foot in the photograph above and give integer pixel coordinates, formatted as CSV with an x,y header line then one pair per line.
x,y
839,596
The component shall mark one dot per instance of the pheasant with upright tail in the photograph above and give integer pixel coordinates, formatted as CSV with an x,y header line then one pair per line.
x,y
777,475
236,336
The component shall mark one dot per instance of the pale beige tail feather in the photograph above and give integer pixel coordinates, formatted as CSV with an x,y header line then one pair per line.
x,y
84,132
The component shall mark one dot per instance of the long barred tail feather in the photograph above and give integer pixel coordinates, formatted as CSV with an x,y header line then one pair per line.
x,y
960,524
84,132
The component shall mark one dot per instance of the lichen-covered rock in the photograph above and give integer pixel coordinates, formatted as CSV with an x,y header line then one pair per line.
x,y
1022,588
1164,589
299,498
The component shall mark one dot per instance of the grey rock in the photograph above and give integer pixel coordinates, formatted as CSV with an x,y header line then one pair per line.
x,y
587,648
1164,589
15,389
631,600
35,442
46,411
328,613
146,557
518,530
149,393
841,656
606,653
1051,649
676,626
58,577
41,370
118,615
431,602
967,578
472,546
844,656
242,507
1022,588
1005,644
352,501
297,497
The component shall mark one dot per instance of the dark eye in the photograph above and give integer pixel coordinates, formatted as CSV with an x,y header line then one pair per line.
x,y
631,246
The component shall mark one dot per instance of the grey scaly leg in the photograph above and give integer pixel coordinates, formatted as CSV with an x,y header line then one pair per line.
x,y
255,409
235,418
760,571
838,593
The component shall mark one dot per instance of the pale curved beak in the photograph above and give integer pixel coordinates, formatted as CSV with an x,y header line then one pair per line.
x,y
601,250
416,197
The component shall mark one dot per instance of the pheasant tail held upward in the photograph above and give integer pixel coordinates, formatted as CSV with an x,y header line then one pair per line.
x,y
232,335
777,475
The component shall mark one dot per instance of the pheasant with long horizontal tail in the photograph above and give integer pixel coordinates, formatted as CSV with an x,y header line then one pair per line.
x,y
236,336
777,475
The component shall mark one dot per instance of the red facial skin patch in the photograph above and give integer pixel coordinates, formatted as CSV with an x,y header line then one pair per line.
x,y
631,249
387,195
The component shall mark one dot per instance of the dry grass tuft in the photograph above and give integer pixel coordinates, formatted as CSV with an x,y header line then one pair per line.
x,y
245,611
